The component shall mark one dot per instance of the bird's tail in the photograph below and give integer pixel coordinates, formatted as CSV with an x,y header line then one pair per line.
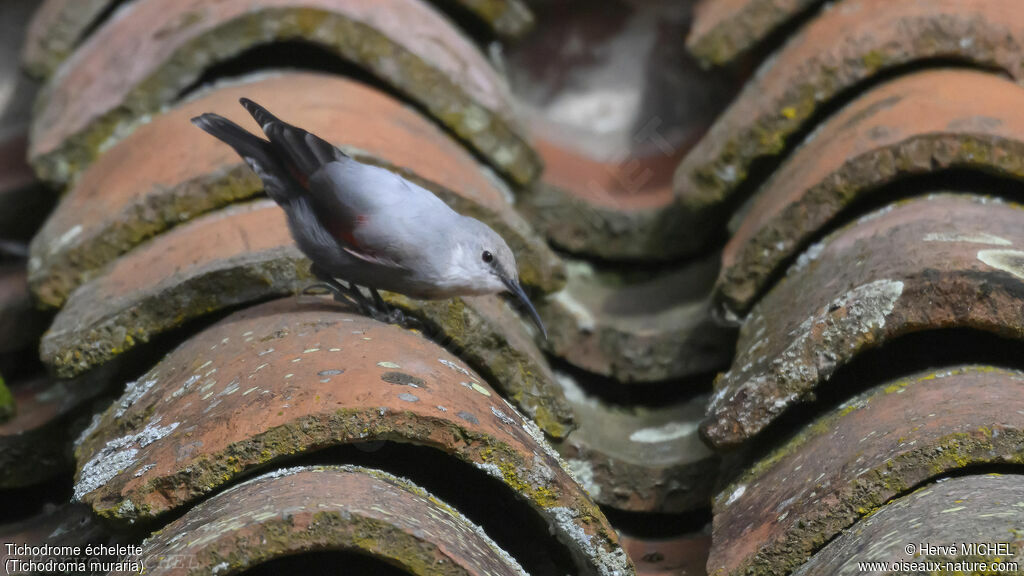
x,y
305,151
247,144
259,113
257,152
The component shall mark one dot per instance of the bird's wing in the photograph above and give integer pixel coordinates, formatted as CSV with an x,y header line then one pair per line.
x,y
376,215
376,212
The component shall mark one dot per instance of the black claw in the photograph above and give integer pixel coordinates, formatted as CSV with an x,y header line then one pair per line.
x,y
350,294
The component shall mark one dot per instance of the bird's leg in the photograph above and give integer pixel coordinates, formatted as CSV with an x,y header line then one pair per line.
x,y
378,309
342,293
391,315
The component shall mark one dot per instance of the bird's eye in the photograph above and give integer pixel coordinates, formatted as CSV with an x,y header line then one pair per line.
x,y
488,257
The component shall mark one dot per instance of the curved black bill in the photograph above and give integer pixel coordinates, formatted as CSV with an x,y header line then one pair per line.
x,y
516,289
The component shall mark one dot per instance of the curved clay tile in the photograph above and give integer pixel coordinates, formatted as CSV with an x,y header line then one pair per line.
x,y
233,256
295,376
841,49
500,345
167,172
941,512
871,449
342,508
59,25
55,29
640,459
957,264
404,43
725,29
647,330
915,124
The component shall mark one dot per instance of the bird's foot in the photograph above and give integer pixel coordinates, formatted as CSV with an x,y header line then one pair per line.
x,y
389,315
351,294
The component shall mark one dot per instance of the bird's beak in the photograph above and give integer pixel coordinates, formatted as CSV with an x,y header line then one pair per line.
x,y
516,289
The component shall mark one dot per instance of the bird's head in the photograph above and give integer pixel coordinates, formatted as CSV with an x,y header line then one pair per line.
x,y
490,266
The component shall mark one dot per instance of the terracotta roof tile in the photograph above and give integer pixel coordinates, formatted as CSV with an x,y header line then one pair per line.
x,y
296,510
429,61
872,448
294,376
638,330
58,26
941,512
168,172
838,52
955,268
915,124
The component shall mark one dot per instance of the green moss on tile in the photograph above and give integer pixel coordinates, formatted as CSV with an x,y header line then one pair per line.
x,y
487,131
7,405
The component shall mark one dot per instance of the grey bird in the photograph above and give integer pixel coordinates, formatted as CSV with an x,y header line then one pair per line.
x,y
369,226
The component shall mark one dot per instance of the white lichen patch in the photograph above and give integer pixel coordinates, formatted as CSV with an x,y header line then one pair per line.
x,y
133,391
490,469
185,387
807,256
1011,261
456,367
143,470
502,416
230,389
116,456
538,436
976,238
608,562
876,214
736,494
817,347
583,472
665,433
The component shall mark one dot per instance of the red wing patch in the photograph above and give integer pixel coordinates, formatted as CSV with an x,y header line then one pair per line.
x,y
297,174
347,234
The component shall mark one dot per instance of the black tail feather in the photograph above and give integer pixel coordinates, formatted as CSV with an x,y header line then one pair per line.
x,y
258,153
247,144
259,113
306,151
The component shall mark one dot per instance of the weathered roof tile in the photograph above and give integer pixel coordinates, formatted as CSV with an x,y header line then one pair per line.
x,y
168,172
916,124
404,43
297,510
294,376
870,449
956,267
836,53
